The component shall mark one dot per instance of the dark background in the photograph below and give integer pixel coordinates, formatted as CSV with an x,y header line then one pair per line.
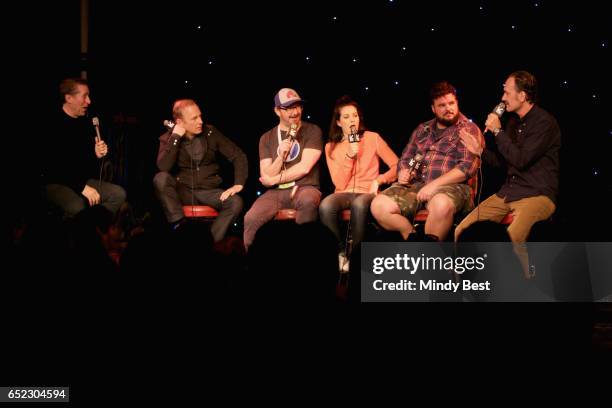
x,y
385,54
141,54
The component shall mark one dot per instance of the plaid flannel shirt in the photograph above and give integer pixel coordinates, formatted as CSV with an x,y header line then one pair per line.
x,y
441,154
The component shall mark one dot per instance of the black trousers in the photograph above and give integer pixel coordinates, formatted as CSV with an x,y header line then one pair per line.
x,y
173,195
358,203
71,203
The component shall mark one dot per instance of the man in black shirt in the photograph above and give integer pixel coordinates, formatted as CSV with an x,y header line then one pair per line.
x,y
189,171
529,147
73,155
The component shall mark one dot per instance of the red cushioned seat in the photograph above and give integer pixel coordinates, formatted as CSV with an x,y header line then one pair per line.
x,y
346,215
421,216
285,214
199,211
507,220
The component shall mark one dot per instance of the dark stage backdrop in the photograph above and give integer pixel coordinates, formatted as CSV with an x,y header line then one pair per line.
x,y
232,58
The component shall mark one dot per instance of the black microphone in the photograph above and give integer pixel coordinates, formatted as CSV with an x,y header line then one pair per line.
x,y
96,123
353,137
414,165
499,111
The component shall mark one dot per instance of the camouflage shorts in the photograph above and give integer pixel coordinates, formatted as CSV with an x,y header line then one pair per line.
x,y
405,197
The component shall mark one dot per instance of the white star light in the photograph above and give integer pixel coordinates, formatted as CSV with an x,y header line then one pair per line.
x,y
307,58
354,59
367,88
334,18
186,82
308,117
259,193
513,27
199,27
396,82
433,29
569,29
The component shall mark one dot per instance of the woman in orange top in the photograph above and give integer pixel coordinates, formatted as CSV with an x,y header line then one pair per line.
x,y
354,169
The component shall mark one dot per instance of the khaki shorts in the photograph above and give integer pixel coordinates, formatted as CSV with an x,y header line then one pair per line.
x,y
405,197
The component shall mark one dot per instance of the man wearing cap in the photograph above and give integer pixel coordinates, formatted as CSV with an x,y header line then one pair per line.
x,y
288,164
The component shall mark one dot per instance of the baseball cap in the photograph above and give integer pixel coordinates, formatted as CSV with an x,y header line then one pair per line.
x,y
286,97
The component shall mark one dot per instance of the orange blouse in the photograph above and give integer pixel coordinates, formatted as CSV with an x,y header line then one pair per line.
x,y
356,175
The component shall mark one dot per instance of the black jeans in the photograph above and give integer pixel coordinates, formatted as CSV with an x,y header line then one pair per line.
x,y
71,203
332,206
174,195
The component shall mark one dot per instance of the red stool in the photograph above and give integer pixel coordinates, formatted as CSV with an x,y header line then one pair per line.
x,y
345,215
507,220
285,214
421,216
200,211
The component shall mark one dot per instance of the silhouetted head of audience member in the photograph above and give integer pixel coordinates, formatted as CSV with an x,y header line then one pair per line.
x,y
485,231
293,263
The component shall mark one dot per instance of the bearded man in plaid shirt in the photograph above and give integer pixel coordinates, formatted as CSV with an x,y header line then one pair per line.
x,y
440,184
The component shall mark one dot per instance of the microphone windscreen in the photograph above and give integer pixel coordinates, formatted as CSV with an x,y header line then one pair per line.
x,y
500,109
95,121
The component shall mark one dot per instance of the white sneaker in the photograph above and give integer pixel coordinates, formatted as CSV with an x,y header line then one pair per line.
x,y
343,263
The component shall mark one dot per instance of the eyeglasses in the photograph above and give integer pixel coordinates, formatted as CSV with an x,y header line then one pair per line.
x,y
293,107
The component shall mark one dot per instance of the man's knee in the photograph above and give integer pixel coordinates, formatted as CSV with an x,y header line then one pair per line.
x,y
234,203
117,193
441,207
382,205
161,180
73,207
309,202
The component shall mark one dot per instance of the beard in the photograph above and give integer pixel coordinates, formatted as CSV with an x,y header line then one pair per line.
x,y
448,122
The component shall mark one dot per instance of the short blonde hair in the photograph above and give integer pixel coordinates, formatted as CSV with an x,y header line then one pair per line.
x,y
179,105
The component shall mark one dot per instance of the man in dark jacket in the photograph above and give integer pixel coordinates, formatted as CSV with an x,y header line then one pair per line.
x,y
187,161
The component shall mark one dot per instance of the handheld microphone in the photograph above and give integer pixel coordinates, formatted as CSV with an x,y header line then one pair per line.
x,y
499,111
96,123
353,137
414,165
293,131
415,162
168,124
